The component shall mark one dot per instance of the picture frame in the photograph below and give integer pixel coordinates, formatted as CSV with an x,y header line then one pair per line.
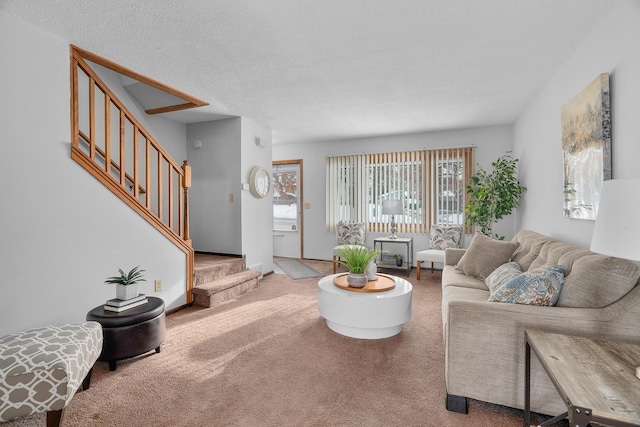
x,y
586,148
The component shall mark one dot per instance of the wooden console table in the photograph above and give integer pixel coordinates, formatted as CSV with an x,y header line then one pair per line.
x,y
596,379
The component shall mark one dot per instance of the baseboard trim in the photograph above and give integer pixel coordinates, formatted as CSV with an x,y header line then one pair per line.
x,y
176,309
218,254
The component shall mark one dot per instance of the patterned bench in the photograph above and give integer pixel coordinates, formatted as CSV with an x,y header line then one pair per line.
x,y
41,369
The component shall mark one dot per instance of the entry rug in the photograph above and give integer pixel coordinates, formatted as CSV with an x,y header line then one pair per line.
x,y
296,269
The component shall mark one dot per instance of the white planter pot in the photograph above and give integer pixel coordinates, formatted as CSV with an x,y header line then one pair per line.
x,y
371,271
126,291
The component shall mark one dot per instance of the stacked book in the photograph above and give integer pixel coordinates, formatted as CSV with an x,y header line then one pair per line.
x,y
119,305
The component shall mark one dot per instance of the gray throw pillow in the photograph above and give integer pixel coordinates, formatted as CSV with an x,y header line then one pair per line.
x,y
485,255
502,275
540,286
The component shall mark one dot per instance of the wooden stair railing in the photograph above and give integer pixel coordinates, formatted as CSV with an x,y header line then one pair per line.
x,y
113,146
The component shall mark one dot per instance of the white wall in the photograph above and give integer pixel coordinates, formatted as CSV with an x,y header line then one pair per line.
x,y
257,214
490,142
215,220
613,46
62,232
219,168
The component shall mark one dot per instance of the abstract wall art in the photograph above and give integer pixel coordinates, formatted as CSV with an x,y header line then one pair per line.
x,y
586,148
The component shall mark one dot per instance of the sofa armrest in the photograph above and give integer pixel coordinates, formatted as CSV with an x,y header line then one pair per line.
x,y
453,255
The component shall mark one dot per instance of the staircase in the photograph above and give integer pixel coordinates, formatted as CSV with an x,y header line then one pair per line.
x,y
110,143
219,279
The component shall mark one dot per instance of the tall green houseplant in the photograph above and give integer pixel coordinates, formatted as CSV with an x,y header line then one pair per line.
x,y
494,195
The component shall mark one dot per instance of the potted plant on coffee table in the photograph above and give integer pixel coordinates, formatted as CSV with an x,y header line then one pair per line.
x,y
127,283
356,258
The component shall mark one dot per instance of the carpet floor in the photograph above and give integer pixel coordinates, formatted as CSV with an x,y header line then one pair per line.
x,y
268,359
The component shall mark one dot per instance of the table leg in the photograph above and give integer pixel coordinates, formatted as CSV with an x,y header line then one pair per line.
x,y
527,382
527,391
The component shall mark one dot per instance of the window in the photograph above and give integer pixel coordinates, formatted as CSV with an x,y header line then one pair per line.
x,y
285,197
431,184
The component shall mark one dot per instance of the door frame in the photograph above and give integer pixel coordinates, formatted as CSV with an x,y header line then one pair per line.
x,y
300,198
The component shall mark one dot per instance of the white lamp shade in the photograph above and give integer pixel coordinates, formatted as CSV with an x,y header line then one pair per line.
x,y
392,207
617,228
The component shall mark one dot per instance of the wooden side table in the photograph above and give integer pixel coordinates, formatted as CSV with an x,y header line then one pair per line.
x,y
378,244
596,379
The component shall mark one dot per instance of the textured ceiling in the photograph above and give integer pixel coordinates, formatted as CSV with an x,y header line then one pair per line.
x,y
333,69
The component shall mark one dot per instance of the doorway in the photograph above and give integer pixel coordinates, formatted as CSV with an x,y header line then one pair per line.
x,y
287,208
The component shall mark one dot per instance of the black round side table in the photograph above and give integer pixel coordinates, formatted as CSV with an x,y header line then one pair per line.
x,y
131,332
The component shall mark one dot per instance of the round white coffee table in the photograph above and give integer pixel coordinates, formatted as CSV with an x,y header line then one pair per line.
x,y
370,315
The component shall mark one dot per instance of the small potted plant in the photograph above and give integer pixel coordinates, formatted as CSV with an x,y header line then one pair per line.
x,y
126,284
356,258
398,258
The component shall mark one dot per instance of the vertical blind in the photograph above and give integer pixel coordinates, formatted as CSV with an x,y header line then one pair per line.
x,y
431,184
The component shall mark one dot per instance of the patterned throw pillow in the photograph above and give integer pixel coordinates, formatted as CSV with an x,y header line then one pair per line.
x,y
540,286
445,236
349,233
502,275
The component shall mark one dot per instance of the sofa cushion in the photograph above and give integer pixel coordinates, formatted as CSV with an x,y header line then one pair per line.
x,y
502,275
529,245
452,277
445,236
597,280
540,286
485,255
591,280
555,252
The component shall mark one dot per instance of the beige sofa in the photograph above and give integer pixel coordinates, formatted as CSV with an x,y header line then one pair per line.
x,y
484,341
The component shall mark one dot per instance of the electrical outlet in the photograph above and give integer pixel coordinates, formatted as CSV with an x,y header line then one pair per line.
x,y
231,197
158,285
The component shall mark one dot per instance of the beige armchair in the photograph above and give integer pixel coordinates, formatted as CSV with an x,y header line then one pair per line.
x,y
442,237
347,234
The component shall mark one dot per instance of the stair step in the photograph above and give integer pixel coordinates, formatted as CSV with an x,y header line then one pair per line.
x,y
225,288
209,271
